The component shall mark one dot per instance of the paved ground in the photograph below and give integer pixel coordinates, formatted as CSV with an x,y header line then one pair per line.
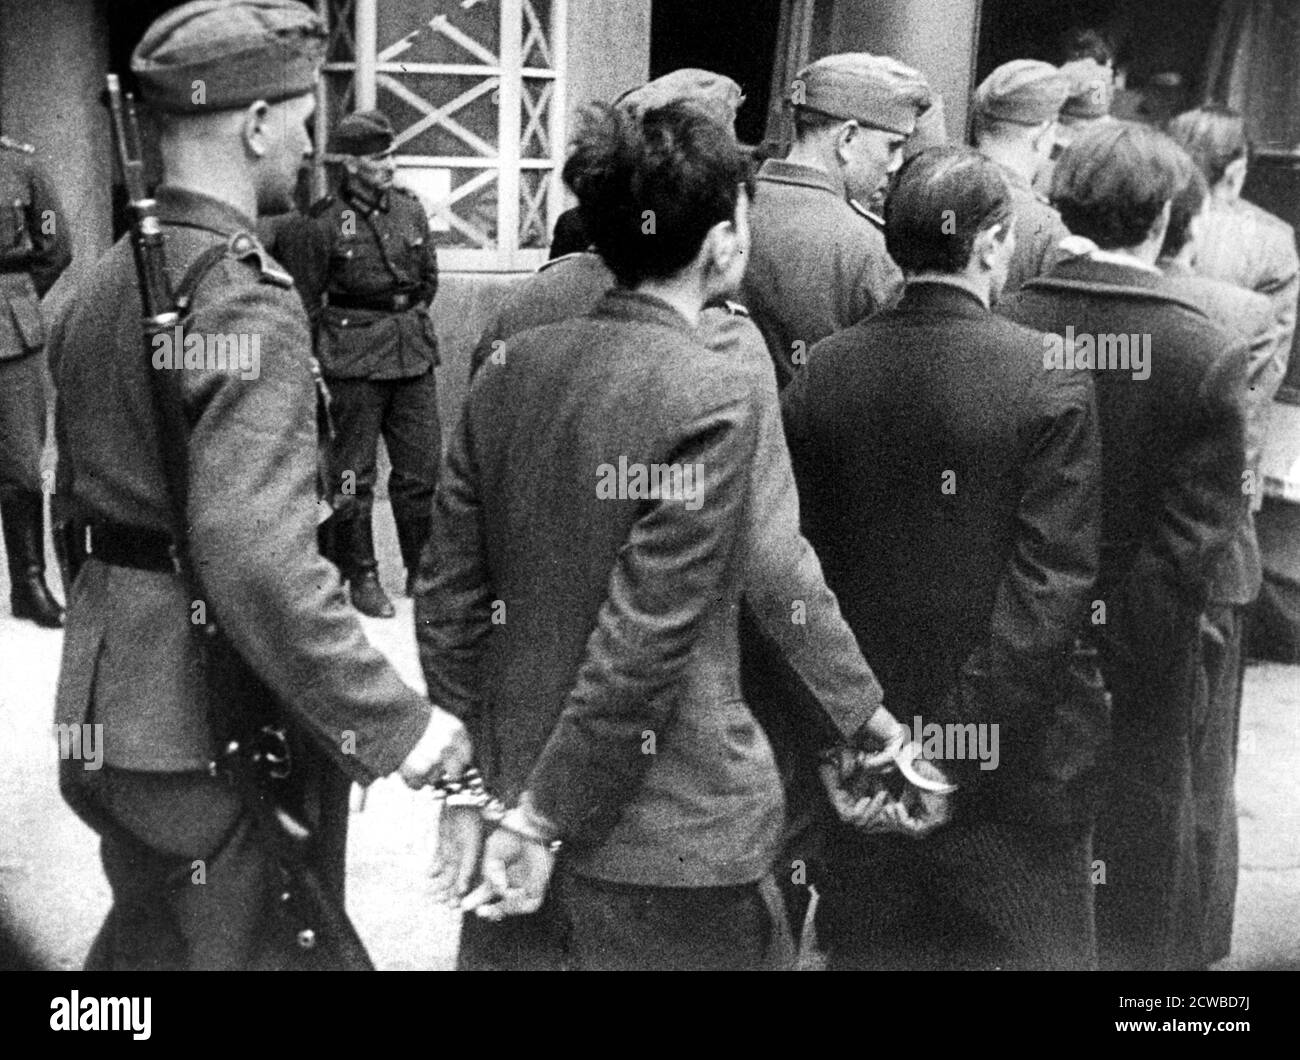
x,y
52,893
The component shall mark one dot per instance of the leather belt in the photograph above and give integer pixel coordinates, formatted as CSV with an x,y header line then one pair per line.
x,y
383,303
132,546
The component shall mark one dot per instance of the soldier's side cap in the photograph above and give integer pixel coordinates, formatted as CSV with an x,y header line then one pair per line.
x,y
1091,89
367,132
212,55
716,94
1023,91
875,90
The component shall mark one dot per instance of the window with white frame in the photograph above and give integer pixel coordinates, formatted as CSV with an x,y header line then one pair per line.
x,y
475,90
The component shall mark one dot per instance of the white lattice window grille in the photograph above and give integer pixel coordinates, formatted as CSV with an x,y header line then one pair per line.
x,y
475,89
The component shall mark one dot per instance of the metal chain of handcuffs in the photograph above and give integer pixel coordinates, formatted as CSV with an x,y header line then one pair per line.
x,y
900,755
470,791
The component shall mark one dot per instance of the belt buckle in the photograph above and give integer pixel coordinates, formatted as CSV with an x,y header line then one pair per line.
x,y
401,302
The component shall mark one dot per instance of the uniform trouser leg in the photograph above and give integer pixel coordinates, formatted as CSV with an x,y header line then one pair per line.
x,y
413,435
357,407
22,503
1214,764
192,881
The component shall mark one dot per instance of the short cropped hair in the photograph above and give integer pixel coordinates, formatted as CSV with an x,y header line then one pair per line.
x,y
943,198
811,122
650,188
1111,183
1187,203
1215,137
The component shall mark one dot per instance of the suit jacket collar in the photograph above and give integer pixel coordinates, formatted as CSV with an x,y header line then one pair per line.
x,y
621,304
935,296
193,209
1084,275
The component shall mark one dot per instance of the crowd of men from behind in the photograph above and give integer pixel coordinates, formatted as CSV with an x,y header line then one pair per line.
x,y
907,479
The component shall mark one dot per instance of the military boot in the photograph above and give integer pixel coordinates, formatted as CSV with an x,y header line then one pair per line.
x,y
23,516
412,532
362,570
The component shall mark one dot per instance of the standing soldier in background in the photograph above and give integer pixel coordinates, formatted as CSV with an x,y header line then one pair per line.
x,y
135,661
367,273
1015,127
816,265
33,253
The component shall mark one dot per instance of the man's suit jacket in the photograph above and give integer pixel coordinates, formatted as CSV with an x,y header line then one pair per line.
x,y
1173,453
618,617
949,484
1242,314
1245,245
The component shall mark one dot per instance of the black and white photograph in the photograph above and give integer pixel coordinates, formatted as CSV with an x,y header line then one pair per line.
x,y
651,485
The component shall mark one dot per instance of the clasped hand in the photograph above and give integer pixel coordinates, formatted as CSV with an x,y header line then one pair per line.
x,y
874,795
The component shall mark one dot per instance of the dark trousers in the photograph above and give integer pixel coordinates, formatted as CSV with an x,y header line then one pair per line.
x,y
405,413
22,424
195,885
1214,767
1149,909
590,925
974,895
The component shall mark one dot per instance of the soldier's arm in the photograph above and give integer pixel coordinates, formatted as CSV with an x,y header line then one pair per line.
x,y
667,575
48,229
252,512
453,595
1282,286
428,260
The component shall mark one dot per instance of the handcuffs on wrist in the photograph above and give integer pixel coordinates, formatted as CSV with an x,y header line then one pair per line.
x,y
469,790
901,752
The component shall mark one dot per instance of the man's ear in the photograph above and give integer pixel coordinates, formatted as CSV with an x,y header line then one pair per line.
x,y
1161,224
1045,138
1234,175
844,136
722,246
989,243
255,131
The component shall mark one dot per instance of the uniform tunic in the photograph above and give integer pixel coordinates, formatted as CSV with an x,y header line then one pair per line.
x,y
816,265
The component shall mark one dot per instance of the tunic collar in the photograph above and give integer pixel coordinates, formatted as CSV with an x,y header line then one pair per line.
x,y
369,201
183,206
778,171
620,303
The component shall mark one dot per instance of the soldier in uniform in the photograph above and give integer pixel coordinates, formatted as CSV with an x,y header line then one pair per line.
x,y
816,264
367,272
134,661
1015,127
33,253
1092,91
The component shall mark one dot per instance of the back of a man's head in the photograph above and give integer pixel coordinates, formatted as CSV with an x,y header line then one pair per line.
x,y
1111,184
1215,137
650,189
943,198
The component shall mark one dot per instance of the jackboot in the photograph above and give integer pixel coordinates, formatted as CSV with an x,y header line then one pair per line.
x,y
362,570
23,516
412,532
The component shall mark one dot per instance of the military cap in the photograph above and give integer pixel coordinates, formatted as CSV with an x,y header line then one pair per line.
x,y
717,95
1023,91
223,54
367,132
873,90
1091,89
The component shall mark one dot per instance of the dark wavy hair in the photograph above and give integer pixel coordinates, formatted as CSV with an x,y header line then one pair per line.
x,y
649,189
942,199
1112,182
